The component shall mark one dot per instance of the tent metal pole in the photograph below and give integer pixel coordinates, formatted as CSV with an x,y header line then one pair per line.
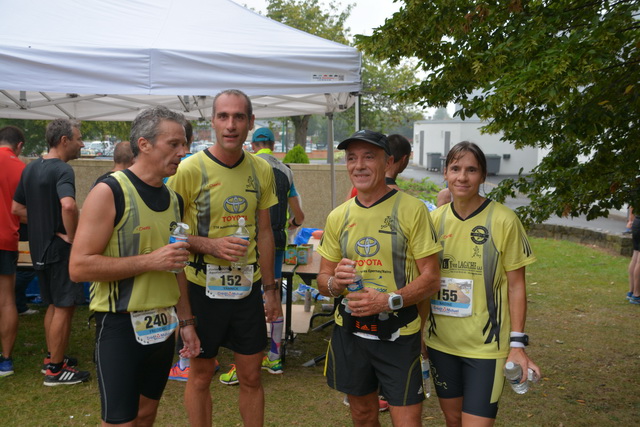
x,y
330,158
357,113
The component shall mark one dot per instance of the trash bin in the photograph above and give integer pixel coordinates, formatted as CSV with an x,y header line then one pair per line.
x,y
493,164
433,161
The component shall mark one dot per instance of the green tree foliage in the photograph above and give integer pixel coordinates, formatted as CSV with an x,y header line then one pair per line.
x,y
296,155
103,131
562,75
34,131
380,109
310,17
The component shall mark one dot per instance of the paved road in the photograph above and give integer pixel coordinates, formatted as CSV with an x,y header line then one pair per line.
x,y
615,224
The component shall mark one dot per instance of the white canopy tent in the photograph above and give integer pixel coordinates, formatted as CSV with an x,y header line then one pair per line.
x,y
108,59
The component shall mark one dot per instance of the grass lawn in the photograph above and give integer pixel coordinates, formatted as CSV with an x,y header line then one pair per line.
x,y
582,332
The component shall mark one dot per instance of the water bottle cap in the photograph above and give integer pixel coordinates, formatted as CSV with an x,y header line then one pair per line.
x,y
510,365
241,221
181,228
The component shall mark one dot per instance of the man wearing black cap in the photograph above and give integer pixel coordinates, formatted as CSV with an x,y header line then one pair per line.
x,y
384,240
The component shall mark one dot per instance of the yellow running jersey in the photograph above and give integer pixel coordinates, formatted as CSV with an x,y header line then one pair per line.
x,y
216,196
384,240
141,230
477,253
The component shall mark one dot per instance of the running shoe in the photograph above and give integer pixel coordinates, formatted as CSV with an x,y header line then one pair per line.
x,y
273,366
383,405
6,366
230,378
629,295
634,300
69,361
28,312
177,374
66,376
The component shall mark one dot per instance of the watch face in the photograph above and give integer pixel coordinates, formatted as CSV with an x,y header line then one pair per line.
x,y
395,302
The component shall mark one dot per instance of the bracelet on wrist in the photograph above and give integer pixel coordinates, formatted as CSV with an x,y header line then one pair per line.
x,y
187,322
293,221
271,287
330,287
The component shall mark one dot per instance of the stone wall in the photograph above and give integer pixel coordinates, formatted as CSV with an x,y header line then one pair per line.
x,y
313,182
616,243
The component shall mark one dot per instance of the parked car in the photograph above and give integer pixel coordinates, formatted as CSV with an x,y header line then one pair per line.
x,y
97,148
87,151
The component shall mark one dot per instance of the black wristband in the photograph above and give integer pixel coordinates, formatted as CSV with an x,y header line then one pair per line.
x,y
293,221
524,340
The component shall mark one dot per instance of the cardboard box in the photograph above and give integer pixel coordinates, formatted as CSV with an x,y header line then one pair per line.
x,y
304,254
24,255
291,255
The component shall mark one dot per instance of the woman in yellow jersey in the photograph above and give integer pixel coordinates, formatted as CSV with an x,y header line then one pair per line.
x,y
477,318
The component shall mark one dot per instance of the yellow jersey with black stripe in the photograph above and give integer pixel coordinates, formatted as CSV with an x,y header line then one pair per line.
x,y
216,196
477,254
384,240
140,230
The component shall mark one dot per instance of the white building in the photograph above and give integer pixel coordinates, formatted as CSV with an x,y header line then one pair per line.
x,y
433,139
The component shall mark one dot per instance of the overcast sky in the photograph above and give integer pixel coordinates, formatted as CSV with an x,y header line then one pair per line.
x,y
366,15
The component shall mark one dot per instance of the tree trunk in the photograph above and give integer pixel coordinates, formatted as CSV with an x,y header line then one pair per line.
x,y
301,123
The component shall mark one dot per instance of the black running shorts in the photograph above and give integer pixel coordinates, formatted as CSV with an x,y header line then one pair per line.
x,y
360,366
635,233
8,262
56,287
126,369
478,381
238,325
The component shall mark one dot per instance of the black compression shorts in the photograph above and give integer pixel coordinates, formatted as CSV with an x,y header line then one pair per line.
x,y
126,369
478,381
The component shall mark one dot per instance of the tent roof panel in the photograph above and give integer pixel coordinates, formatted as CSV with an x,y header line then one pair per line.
x,y
159,52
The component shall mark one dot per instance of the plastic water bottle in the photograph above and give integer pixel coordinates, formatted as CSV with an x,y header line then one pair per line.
x,y
307,301
242,233
315,295
356,286
178,234
426,376
513,374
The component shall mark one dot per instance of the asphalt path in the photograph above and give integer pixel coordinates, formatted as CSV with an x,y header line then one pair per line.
x,y
614,224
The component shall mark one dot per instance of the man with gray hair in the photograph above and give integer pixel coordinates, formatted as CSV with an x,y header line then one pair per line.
x,y
121,246
46,199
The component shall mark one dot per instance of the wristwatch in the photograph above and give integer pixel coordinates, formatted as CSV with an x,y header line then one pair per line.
x,y
395,301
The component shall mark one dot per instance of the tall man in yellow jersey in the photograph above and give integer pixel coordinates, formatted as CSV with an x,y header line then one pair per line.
x,y
220,185
383,239
122,246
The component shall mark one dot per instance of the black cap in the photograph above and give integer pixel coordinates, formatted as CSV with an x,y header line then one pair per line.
x,y
375,138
